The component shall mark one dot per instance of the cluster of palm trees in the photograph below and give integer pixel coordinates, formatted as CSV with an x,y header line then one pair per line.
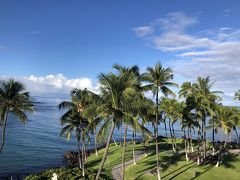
x,y
120,103
129,99
123,103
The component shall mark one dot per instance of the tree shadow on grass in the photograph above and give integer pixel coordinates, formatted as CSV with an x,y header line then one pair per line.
x,y
170,160
92,163
201,173
229,159
148,166
167,161
188,167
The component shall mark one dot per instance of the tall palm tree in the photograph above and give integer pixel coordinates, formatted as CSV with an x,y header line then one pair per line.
x,y
225,121
74,120
72,124
13,99
203,86
189,122
200,100
159,80
168,106
117,94
139,106
214,123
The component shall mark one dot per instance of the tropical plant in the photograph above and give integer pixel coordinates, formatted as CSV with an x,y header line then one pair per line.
x,y
74,121
159,80
141,106
203,88
117,94
201,101
15,100
168,107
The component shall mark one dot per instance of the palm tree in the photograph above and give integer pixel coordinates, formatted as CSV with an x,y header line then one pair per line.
x,y
139,106
203,87
13,99
168,107
225,121
117,93
72,124
189,122
159,80
200,100
214,124
74,120
92,128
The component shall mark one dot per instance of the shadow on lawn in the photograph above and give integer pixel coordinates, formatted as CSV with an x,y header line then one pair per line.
x,y
205,170
187,166
151,163
228,159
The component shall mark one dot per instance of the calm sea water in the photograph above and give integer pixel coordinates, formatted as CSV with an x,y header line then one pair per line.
x,y
37,145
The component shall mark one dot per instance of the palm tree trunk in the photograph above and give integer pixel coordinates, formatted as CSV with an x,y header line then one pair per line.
x,y
83,156
106,151
174,150
198,156
144,142
188,141
225,143
114,141
185,143
219,154
165,126
133,146
85,151
79,154
191,140
204,136
121,137
95,145
213,140
174,138
124,150
4,129
156,137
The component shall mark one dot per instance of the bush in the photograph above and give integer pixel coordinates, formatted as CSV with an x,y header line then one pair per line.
x,y
64,174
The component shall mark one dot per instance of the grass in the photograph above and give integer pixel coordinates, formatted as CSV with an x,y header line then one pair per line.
x,y
114,158
173,166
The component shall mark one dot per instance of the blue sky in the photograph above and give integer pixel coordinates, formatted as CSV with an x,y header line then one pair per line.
x,y
65,43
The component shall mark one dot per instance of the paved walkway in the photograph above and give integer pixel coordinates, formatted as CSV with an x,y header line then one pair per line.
x,y
117,170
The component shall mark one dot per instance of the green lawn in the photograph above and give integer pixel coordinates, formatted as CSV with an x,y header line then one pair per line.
x,y
172,166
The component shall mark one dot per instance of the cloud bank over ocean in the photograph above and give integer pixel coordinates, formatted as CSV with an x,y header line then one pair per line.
x,y
55,84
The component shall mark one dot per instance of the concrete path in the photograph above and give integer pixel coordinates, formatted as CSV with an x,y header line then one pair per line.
x,y
117,170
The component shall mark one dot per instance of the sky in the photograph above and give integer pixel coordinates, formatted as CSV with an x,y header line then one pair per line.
x,y
54,46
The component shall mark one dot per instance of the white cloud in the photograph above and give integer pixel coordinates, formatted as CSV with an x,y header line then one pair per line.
x,y
143,31
57,83
172,41
175,21
211,52
171,34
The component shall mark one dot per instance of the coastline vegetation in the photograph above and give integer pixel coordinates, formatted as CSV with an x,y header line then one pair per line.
x,y
123,103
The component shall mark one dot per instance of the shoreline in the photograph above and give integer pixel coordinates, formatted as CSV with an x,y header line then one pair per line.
x,y
90,152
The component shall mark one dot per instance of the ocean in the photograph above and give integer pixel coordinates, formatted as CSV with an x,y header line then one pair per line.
x,y
36,146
